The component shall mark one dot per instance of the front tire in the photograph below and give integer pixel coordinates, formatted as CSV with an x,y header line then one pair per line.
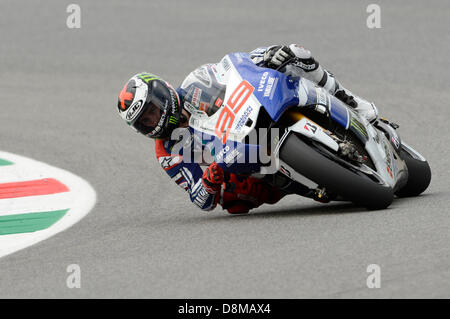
x,y
419,176
352,186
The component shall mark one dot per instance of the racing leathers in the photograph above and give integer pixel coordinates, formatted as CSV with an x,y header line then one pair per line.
x,y
239,194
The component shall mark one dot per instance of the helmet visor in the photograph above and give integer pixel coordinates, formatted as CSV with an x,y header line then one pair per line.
x,y
151,120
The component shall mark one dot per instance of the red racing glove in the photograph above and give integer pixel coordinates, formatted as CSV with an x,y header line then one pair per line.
x,y
212,178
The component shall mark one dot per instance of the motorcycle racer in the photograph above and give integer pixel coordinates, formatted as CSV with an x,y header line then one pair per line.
x,y
154,108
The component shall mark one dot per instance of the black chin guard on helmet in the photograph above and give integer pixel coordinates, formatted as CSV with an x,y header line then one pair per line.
x,y
161,112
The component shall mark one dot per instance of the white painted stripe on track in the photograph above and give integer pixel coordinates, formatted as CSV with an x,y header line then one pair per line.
x,y
43,203
80,200
18,173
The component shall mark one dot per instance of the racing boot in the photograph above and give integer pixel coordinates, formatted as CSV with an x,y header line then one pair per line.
x,y
366,109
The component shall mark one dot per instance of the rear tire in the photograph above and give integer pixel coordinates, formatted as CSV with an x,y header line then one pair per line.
x,y
352,186
419,176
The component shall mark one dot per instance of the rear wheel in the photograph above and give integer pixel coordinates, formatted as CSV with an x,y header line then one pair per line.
x,y
419,176
352,185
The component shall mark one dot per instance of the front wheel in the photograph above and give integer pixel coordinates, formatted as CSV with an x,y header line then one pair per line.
x,y
352,185
419,174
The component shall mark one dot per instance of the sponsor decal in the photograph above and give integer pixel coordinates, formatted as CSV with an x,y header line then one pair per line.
x,y
359,127
270,87
321,97
158,128
395,141
189,107
134,110
226,64
196,95
285,171
173,120
259,51
167,162
219,155
230,157
243,118
388,160
389,171
203,76
202,197
276,140
147,77
216,73
262,81
218,102
376,137
312,128
304,66
195,100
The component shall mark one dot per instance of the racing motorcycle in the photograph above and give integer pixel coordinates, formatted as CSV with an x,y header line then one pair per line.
x,y
310,136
